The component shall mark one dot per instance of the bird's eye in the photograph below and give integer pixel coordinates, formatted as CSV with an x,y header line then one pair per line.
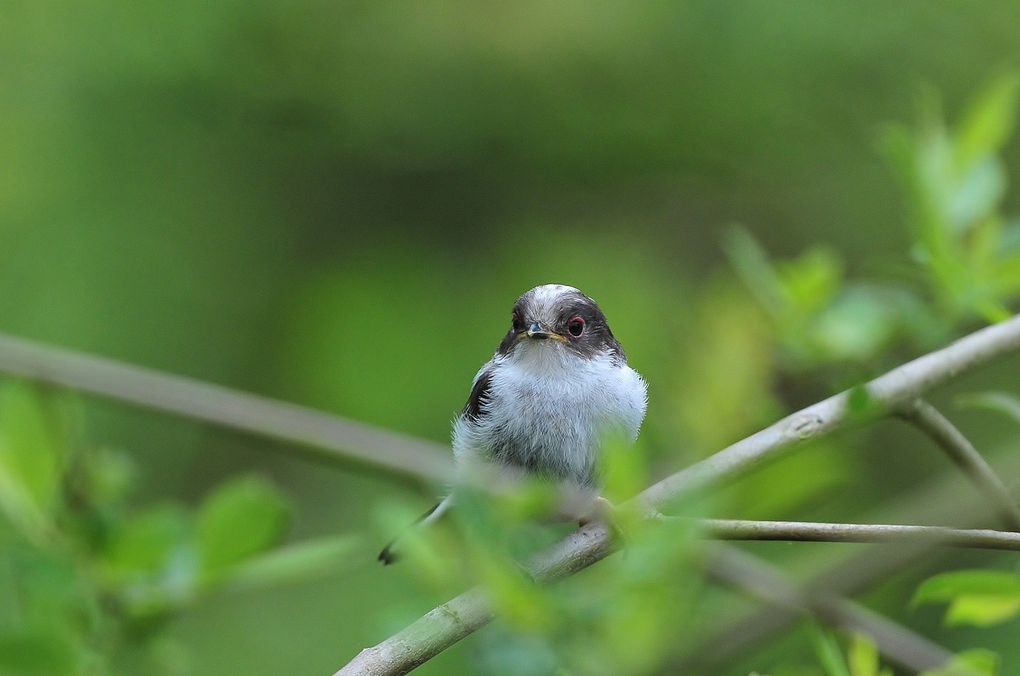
x,y
515,321
576,326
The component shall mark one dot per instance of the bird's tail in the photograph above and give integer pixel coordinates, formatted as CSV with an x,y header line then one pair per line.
x,y
388,555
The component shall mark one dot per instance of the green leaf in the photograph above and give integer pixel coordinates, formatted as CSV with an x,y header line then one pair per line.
x,y
295,563
974,662
976,597
988,122
828,652
31,462
753,267
144,543
977,195
239,519
947,586
862,656
812,279
982,610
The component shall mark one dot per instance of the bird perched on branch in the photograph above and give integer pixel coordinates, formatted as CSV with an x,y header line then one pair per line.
x,y
557,385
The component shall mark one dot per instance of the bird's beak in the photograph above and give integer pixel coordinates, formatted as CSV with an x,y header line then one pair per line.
x,y
538,333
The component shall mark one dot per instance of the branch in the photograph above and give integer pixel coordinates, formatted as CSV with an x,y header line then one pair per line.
x,y
594,541
328,436
804,531
959,449
938,500
896,642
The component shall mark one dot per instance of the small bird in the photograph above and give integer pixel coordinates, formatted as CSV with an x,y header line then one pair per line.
x,y
557,385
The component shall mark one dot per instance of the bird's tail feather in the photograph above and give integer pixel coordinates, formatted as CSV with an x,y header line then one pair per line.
x,y
388,555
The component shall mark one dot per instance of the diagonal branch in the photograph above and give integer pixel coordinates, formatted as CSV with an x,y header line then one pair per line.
x,y
328,436
427,637
929,420
896,642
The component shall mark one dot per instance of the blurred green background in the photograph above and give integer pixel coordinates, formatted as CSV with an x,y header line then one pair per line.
x,y
336,203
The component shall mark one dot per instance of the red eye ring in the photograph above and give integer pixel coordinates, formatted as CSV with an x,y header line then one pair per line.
x,y
575,326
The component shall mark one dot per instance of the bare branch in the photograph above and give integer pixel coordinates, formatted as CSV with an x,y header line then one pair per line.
x,y
938,500
594,541
896,642
804,531
929,420
328,436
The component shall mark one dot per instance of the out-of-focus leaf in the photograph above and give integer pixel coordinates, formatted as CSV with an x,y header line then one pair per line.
x,y
982,610
828,652
974,662
946,586
31,461
988,121
144,543
1001,402
855,326
811,280
109,476
625,473
979,192
860,403
752,265
517,598
240,518
294,563
862,656
976,597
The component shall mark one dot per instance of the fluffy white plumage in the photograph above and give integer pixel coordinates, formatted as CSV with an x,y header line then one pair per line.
x,y
555,406
549,396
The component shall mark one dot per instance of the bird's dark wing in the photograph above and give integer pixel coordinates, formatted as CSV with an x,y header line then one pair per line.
x,y
473,409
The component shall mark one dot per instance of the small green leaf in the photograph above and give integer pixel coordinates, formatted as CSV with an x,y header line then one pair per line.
x,y
974,662
947,586
863,656
295,563
144,543
988,122
828,652
240,518
752,265
981,610
976,597
31,461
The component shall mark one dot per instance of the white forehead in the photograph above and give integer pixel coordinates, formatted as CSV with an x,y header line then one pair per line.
x,y
547,294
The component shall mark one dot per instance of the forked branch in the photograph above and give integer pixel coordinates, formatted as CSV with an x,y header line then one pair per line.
x,y
929,420
434,632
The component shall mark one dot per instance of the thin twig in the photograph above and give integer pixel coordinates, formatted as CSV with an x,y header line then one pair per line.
x,y
426,637
806,531
327,436
937,501
896,642
929,420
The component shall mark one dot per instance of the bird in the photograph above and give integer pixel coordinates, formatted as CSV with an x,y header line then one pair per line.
x,y
556,387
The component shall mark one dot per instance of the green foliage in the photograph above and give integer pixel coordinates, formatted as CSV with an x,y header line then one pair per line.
x,y
977,661
334,203
976,597
956,181
91,570
862,657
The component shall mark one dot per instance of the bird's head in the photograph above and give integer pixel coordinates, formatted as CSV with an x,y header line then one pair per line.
x,y
561,318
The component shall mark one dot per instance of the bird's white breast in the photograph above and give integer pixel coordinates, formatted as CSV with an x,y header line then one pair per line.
x,y
548,410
